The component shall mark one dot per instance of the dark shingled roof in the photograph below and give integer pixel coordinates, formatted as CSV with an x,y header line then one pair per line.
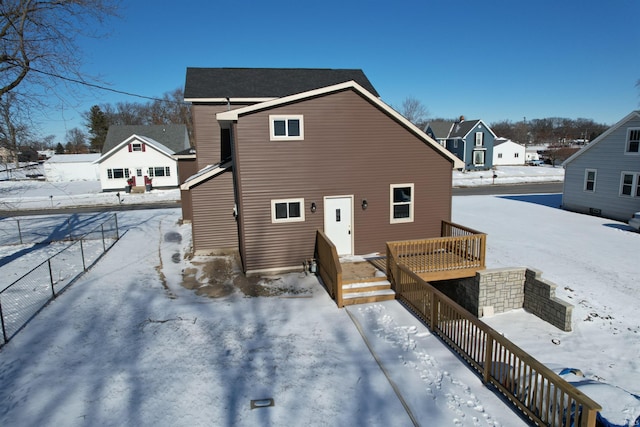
x,y
266,82
440,128
171,136
461,129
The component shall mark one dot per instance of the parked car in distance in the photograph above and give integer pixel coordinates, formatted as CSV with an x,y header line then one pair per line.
x,y
535,163
634,222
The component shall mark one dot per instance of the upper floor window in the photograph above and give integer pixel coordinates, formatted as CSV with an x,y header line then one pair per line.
x,y
633,141
590,180
287,210
630,184
136,146
479,139
402,202
286,127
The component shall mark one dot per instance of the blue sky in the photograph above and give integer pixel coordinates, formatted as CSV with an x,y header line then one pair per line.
x,y
492,60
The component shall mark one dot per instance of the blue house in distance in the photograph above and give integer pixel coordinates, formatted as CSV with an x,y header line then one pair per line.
x,y
470,140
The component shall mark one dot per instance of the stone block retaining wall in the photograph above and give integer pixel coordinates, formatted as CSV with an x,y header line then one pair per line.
x,y
503,289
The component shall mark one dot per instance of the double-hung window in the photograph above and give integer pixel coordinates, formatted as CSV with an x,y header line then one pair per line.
x,y
402,202
287,210
590,180
633,141
286,127
630,184
479,139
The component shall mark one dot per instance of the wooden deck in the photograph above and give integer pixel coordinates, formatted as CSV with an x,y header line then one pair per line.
x,y
458,253
440,266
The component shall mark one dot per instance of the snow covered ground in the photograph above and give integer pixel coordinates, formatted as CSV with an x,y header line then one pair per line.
x,y
27,194
130,344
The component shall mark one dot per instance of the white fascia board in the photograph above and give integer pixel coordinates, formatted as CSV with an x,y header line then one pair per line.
x,y
204,174
148,141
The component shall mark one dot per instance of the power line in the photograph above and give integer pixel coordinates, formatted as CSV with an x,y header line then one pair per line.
x,y
96,86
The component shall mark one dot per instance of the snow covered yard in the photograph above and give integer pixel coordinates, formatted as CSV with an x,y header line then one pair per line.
x,y
129,345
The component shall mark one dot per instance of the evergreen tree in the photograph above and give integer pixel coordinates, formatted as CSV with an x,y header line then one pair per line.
x,y
59,149
98,124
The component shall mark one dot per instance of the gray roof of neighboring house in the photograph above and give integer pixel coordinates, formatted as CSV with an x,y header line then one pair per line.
x,y
440,128
234,83
461,129
173,137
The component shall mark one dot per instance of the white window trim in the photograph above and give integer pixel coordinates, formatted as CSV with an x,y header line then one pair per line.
x,y
275,220
586,179
626,143
479,142
273,118
412,203
473,157
634,183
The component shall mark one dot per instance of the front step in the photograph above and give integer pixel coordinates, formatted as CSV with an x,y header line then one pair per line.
x,y
367,292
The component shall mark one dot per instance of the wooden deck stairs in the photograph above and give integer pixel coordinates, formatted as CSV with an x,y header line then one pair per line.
x,y
376,289
365,282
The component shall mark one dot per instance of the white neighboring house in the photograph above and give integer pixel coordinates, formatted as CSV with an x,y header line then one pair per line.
x,y
507,152
141,157
71,167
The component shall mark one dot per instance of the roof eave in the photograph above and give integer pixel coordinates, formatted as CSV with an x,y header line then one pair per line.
x,y
602,136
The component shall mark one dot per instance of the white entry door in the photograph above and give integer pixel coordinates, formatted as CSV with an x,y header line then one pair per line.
x,y
337,223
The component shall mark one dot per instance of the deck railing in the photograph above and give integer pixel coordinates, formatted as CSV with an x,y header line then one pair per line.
x,y
458,249
329,267
536,390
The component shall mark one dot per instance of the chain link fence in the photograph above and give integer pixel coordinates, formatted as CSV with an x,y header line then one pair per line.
x,y
24,231
24,298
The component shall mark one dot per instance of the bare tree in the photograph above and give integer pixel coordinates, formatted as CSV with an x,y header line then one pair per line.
x,y
414,111
38,39
14,125
76,142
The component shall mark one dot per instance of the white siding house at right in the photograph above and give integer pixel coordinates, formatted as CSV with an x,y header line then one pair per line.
x,y
603,178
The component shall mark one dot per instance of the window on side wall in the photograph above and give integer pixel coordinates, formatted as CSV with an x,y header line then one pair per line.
x,y
402,202
630,184
287,210
633,141
286,127
590,180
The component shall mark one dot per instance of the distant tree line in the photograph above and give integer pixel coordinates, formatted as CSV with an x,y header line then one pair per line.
x,y
17,137
549,131
552,131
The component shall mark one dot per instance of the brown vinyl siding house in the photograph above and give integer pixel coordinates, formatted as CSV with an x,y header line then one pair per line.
x,y
332,157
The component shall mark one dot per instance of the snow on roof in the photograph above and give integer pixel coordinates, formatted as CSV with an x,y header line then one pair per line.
x,y
74,158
